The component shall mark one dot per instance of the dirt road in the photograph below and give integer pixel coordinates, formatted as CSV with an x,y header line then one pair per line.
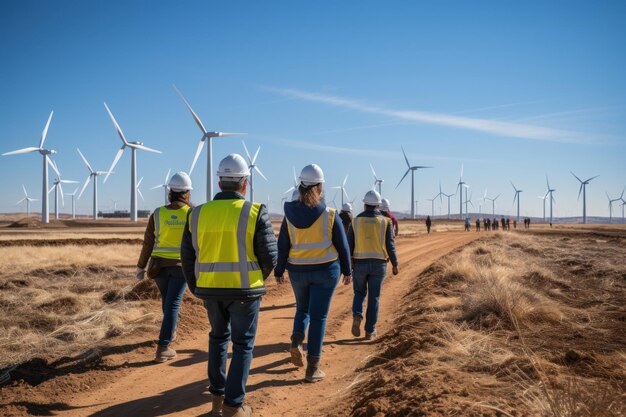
x,y
275,387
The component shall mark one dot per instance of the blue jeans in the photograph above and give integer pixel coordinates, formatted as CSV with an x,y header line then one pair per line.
x,y
367,280
172,284
236,320
313,291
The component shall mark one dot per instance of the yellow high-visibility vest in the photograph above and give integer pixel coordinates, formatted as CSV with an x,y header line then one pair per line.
x,y
222,234
369,237
169,226
313,245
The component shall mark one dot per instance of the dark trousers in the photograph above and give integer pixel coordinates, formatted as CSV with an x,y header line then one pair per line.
x,y
236,321
172,284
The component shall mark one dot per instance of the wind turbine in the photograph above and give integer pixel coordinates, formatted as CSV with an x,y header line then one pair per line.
x,y
73,202
45,216
58,189
432,205
206,137
611,201
92,174
28,200
342,187
164,186
516,197
253,167
583,189
493,204
441,193
623,204
134,146
460,186
295,182
377,181
552,200
139,190
412,169
468,200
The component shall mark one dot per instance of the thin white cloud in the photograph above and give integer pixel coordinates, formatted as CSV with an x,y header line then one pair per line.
x,y
494,127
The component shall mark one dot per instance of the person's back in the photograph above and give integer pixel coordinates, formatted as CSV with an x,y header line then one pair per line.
x,y
346,220
385,210
227,252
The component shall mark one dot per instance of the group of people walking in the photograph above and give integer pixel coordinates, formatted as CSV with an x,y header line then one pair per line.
x,y
225,249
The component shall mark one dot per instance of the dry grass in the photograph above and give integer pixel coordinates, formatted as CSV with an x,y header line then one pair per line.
x,y
514,325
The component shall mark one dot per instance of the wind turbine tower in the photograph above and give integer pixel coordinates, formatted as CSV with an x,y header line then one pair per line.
x,y
73,202
342,187
611,201
58,189
28,200
583,189
45,216
460,186
412,169
516,197
550,191
134,146
493,204
206,137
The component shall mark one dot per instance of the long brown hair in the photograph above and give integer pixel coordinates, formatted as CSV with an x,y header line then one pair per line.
x,y
174,196
311,196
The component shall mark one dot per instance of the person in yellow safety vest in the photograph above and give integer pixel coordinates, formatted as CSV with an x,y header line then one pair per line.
x,y
312,246
228,250
371,240
161,254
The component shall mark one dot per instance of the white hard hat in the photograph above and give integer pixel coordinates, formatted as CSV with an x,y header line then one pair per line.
x,y
311,175
372,198
295,195
233,166
346,207
384,205
180,182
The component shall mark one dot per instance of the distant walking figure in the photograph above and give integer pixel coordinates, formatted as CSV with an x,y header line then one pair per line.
x,y
467,224
478,225
428,224
514,225
503,223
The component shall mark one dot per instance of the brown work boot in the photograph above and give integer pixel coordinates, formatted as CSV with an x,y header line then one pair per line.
x,y
241,411
356,326
218,404
164,353
313,371
296,351
371,336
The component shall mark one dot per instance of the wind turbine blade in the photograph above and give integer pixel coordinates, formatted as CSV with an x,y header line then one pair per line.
x,y
580,190
547,182
19,202
405,158
403,177
256,155
167,177
140,181
592,178
143,148
50,190
62,198
345,193
158,186
231,134
44,133
85,160
461,171
195,157
19,151
140,195
118,155
289,190
195,116
54,167
85,184
373,172
117,127
344,181
295,177
245,148
260,173
24,188
575,176
69,182
513,186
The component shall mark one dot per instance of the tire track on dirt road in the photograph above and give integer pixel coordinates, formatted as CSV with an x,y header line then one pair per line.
x,y
275,387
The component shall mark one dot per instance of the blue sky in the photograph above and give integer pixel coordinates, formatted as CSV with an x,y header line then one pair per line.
x,y
510,90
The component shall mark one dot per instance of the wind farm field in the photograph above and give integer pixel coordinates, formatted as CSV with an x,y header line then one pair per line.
x,y
527,322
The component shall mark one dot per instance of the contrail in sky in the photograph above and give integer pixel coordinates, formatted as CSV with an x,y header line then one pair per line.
x,y
494,127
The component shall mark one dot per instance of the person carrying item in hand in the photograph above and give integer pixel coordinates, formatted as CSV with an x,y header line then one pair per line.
x,y
312,246
161,252
371,243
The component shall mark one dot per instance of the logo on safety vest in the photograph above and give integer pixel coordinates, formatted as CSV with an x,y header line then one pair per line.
x,y
174,216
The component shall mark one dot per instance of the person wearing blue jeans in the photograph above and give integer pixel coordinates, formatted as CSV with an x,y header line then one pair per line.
x,y
236,321
312,246
172,285
371,241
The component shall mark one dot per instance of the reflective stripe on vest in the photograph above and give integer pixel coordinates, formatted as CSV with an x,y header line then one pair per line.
x,y
222,234
369,237
169,226
314,244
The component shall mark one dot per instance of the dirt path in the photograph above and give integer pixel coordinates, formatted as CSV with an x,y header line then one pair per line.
x,y
275,387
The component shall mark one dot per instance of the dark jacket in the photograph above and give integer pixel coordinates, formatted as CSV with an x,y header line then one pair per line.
x,y
390,244
394,221
302,217
346,219
264,244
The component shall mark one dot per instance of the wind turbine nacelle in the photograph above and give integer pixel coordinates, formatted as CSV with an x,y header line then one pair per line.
x,y
137,143
47,151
